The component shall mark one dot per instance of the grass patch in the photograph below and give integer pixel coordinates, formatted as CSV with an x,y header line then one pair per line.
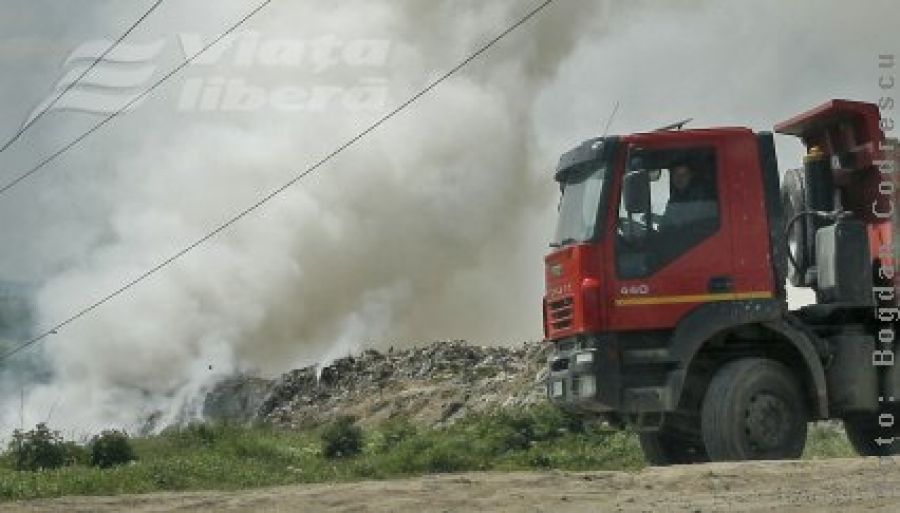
x,y
225,457
827,440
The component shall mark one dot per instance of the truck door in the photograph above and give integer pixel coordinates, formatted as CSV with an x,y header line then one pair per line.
x,y
673,249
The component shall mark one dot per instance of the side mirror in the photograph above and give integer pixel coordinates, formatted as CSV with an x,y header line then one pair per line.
x,y
636,194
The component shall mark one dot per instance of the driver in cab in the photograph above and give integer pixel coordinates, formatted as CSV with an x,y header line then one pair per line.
x,y
690,200
691,214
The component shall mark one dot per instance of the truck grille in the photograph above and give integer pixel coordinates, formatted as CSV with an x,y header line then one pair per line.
x,y
562,312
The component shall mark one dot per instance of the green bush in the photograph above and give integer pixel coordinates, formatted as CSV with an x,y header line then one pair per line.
x,y
42,449
449,457
76,454
538,459
111,448
508,431
393,433
342,438
193,434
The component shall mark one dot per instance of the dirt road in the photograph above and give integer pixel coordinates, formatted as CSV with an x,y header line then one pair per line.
x,y
828,485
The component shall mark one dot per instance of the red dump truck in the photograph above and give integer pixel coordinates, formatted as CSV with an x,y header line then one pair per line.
x,y
666,287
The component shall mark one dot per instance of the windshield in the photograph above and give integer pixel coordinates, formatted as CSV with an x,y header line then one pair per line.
x,y
580,206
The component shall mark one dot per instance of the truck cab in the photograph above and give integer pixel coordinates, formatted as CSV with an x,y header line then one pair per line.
x,y
665,287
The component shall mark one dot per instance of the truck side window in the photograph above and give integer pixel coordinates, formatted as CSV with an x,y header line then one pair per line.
x,y
682,209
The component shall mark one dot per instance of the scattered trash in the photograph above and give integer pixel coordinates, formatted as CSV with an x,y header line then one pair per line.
x,y
431,385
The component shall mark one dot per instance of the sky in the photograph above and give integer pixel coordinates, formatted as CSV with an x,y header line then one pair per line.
x,y
431,227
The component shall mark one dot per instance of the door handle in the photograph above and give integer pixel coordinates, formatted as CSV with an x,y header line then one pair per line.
x,y
720,284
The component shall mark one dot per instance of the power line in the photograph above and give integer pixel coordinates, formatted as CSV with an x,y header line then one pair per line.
x,y
17,180
102,56
265,199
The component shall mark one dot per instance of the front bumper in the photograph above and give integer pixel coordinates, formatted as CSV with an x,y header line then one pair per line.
x,y
611,373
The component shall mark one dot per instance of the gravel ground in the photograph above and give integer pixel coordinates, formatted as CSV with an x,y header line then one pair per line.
x,y
845,485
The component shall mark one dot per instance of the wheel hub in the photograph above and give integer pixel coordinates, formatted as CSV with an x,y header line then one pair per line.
x,y
768,423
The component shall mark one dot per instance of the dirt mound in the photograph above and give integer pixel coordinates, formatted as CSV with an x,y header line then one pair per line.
x,y
431,385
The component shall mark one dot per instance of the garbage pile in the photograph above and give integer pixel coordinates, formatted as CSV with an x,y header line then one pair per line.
x,y
431,385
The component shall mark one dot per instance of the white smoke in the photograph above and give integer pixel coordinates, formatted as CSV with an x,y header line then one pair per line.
x,y
433,227
406,236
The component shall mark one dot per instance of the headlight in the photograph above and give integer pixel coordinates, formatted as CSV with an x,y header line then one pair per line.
x,y
587,386
556,389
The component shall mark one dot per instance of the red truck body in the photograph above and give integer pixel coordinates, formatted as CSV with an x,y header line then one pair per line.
x,y
655,324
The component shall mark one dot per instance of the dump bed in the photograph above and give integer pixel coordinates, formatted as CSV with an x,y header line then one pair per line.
x,y
865,169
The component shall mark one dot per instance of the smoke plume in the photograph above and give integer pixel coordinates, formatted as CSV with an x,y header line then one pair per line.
x,y
432,227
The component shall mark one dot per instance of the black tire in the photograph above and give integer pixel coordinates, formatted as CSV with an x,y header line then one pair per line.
x,y
664,447
863,430
754,409
793,198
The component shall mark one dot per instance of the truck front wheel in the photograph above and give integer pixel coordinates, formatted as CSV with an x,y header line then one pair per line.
x,y
753,410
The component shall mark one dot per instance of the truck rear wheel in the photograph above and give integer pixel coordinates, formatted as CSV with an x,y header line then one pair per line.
x,y
665,447
754,410
863,430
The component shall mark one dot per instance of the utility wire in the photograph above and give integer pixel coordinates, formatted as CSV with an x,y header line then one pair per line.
x,y
62,93
16,181
265,199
